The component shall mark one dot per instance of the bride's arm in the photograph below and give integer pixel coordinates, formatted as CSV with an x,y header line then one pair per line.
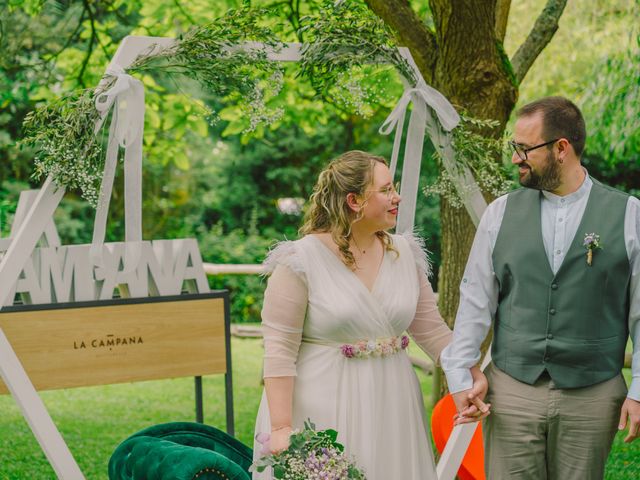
x,y
283,312
279,396
428,329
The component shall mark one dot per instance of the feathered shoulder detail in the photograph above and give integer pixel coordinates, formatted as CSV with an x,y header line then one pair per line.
x,y
419,251
283,253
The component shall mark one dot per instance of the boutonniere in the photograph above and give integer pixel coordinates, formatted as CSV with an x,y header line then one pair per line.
x,y
591,242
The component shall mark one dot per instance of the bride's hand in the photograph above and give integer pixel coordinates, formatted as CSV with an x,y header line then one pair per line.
x,y
279,440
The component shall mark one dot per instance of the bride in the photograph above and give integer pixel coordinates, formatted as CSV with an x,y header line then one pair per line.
x,y
336,307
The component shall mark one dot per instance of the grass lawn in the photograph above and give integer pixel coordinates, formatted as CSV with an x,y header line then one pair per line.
x,y
94,420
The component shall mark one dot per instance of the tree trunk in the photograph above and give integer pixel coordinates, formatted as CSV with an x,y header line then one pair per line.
x,y
457,236
471,73
471,70
463,58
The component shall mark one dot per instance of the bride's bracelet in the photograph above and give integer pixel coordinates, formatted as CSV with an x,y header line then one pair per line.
x,y
280,428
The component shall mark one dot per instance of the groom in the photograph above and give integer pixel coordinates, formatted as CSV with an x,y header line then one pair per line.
x,y
556,267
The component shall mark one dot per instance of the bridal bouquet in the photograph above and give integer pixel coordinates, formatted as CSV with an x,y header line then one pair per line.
x,y
312,455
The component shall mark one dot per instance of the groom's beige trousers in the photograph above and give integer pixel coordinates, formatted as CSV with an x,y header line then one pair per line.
x,y
538,432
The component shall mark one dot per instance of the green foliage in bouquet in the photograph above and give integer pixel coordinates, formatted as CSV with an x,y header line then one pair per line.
x,y
312,455
62,132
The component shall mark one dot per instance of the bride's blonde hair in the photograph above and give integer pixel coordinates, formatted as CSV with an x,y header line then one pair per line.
x,y
351,172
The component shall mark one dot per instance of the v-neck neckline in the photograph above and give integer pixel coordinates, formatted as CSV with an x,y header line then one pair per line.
x,y
351,272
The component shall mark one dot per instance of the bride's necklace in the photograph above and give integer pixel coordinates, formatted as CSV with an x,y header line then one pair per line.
x,y
362,251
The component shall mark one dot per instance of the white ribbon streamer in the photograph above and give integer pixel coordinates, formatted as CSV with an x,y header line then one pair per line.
x,y
126,131
432,111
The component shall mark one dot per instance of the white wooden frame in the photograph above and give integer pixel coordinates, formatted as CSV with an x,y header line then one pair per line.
x,y
38,219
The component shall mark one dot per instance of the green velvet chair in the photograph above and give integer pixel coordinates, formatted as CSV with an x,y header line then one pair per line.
x,y
180,451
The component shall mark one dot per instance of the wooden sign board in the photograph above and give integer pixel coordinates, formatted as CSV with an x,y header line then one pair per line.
x,y
116,341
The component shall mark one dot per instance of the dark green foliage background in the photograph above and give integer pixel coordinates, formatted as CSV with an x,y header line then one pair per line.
x,y
219,183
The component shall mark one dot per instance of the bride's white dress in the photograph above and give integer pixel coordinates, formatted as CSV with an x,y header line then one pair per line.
x,y
374,403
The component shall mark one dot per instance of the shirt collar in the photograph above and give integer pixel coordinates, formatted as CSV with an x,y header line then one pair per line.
x,y
576,196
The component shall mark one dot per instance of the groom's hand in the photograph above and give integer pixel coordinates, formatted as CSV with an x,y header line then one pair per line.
x,y
630,409
469,403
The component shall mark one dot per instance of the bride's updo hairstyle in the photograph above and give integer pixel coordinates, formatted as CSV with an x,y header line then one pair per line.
x,y
351,172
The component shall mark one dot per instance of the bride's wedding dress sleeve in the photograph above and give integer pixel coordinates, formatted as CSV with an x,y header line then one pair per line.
x,y
283,311
428,328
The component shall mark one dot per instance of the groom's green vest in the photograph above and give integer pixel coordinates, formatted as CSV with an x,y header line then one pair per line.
x,y
574,324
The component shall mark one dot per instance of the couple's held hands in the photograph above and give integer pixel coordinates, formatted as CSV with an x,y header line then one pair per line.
x,y
630,414
470,403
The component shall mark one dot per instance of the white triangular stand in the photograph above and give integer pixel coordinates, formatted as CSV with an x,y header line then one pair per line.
x,y
22,244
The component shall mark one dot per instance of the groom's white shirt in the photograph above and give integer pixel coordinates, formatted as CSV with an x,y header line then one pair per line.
x,y
560,217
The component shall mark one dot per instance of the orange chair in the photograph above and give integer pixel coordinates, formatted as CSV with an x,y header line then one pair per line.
x,y
472,467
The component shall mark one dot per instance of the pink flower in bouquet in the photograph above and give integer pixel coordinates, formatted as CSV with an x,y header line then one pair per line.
x,y
263,439
404,342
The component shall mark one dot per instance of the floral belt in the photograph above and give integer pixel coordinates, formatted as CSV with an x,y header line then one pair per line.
x,y
380,347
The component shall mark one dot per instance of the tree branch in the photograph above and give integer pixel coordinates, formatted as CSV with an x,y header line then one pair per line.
x,y
502,16
184,12
540,35
294,16
410,31
92,40
51,59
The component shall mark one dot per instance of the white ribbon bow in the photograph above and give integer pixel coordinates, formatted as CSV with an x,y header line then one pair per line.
x,y
425,95
126,131
428,104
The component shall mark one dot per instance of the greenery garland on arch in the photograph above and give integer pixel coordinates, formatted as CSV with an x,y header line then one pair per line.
x,y
478,153
62,132
346,43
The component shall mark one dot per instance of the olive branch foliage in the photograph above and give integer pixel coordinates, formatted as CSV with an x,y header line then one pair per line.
x,y
478,152
66,147
345,43
345,40
62,131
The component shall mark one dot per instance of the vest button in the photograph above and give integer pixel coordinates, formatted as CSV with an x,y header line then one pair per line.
x,y
550,336
552,311
554,286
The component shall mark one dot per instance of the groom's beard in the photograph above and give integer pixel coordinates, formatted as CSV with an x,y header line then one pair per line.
x,y
548,178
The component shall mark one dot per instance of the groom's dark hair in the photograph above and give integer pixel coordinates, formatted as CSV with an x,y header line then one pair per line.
x,y
561,118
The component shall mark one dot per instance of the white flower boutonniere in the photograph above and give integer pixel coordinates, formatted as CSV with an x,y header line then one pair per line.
x,y
591,242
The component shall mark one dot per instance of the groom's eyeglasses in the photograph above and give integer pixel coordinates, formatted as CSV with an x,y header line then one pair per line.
x,y
522,151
